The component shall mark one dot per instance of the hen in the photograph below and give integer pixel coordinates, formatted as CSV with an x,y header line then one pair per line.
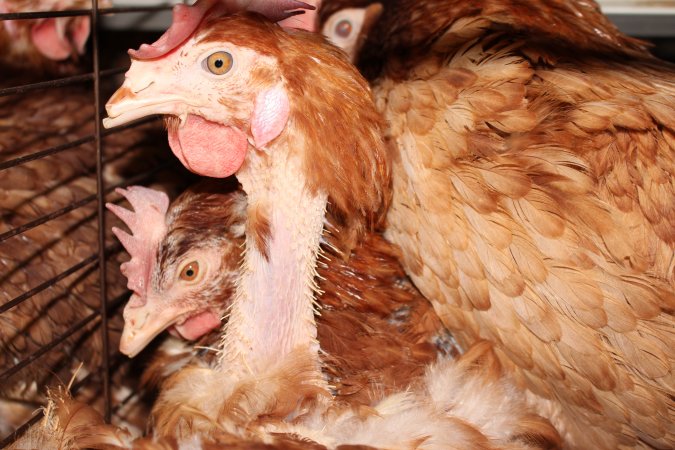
x,y
533,151
374,329
376,332
238,80
279,172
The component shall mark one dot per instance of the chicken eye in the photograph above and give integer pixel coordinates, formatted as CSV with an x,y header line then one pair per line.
x,y
190,271
218,63
343,28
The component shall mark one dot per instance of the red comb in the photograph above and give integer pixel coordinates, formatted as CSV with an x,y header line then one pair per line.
x,y
148,227
186,19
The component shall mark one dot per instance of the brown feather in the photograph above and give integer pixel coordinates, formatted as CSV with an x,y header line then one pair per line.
x,y
537,209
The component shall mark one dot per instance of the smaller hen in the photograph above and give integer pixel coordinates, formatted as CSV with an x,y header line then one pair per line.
x,y
376,331
379,337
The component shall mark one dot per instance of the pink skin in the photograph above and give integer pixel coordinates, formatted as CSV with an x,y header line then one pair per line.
x,y
80,33
56,38
45,36
54,44
213,150
196,326
270,115
207,148
147,226
204,141
10,25
172,309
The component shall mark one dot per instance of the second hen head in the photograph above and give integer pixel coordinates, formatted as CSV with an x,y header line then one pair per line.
x,y
184,276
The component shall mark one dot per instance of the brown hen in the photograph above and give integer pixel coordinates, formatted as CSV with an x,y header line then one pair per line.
x,y
533,150
378,336
376,332
245,100
272,315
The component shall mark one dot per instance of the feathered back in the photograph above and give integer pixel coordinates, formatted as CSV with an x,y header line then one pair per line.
x,y
533,199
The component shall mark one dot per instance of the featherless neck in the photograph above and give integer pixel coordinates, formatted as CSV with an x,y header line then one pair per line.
x,y
273,311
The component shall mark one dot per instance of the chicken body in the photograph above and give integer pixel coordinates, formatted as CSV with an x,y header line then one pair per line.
x,y
533,199
467,403
378,337
379,341
268,375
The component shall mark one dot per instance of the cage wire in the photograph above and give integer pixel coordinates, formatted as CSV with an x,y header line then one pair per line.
x,y
111,359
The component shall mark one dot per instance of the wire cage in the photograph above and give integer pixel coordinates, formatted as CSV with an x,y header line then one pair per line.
x,y
58,304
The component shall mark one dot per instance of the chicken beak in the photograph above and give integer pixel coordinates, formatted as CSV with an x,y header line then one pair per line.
x,y
143,323
142,94
373,13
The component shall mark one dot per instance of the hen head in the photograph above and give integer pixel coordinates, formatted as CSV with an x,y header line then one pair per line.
x,y
240,85
184,264
55,39
216,87
348,28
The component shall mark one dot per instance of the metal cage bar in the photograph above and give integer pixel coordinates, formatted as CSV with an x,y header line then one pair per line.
x,y
59,339
110,360
42,286
67,146
57,83
71,207
81,12
116,360
100,196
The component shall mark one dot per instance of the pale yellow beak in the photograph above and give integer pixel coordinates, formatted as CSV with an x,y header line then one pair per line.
x,y
143,93
143,323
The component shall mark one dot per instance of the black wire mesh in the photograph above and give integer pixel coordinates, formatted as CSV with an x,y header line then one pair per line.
x,y
99,261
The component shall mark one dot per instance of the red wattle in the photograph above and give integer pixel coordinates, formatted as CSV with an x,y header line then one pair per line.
x,y
208,148
198,325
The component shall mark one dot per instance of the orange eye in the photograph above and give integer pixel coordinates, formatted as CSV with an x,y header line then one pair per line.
x,y
343,28
190,271
219,63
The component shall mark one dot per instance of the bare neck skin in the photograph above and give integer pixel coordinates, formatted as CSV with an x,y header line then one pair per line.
x,y
273,311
